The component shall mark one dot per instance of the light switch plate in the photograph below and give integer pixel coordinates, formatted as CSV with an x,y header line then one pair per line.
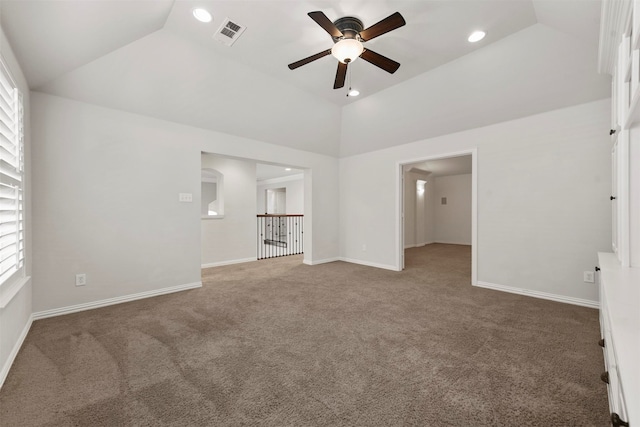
x,y
185,197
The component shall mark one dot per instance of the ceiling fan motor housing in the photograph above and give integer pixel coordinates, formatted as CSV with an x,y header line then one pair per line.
x,y
350,27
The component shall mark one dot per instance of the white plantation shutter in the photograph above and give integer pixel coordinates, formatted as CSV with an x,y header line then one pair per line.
x,y
11,181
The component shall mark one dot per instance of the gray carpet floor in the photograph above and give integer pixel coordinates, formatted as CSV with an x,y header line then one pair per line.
x,y
280,343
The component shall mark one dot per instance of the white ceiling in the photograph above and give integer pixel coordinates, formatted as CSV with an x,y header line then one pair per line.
x,y
264,171
55,37
280,32
442,167
154,58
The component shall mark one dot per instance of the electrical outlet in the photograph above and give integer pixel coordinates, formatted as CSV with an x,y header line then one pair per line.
x,y
364,248
589,276
81,279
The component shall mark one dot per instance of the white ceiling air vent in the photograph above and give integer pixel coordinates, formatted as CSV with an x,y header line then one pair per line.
x,y
229,32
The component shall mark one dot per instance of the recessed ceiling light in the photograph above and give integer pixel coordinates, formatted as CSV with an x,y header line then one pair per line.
x,y
476,36
287,169
202,15
353,92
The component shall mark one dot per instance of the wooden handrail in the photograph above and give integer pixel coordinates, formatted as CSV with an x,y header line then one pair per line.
x,y
271,215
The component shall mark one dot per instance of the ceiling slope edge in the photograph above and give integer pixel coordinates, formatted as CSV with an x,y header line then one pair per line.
x,y
166,77
72,34
535,70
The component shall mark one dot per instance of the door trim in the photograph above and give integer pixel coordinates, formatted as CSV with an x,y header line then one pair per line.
x,y
474,207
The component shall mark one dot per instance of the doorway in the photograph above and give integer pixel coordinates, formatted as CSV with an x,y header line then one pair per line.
x,y
280,215
438,204
232,197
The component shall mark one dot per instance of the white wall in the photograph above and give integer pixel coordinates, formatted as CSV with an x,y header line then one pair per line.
x,y
208,195
295,193
452,222
543,208
107,205
634,197
426,220
233,237
421,211
418,211
410,208
15,316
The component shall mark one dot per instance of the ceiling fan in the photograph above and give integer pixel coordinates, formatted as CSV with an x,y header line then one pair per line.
x,y
348,35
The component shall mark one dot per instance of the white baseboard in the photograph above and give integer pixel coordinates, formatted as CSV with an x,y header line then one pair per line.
x,y
453,243
370,264
14,351
418,245
538,294
321,261
233,261
352,261
111,301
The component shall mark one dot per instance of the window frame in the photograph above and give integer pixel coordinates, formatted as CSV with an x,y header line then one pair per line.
x,y
12,177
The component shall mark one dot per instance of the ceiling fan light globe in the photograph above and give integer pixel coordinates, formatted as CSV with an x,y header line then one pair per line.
x,y
347,50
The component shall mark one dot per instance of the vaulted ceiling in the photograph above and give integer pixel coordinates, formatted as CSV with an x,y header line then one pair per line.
x,y
154,58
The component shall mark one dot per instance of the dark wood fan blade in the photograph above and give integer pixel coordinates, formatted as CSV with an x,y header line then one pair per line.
x,y
341,74
389,23
312,58
322,20
389,65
